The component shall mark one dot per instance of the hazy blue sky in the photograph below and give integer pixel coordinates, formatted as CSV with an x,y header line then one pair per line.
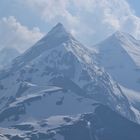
x,y
135,4
23,22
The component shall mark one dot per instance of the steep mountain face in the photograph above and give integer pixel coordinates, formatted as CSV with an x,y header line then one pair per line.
x,y
7,55
102,124
56,90
61,61
120,56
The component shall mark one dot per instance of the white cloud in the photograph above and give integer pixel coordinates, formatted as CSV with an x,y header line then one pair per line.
x,y
13,34
89,20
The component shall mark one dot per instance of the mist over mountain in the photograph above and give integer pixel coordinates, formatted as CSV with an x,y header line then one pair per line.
x,y
7,55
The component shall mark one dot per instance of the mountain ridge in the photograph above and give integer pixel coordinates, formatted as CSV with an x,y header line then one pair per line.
x,y
69,66
58,78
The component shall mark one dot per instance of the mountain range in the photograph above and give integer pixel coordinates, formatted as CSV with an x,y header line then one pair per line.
x,y
59,89
119,55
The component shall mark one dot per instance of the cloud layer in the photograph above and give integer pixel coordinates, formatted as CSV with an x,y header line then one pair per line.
x,y
89,20
15,35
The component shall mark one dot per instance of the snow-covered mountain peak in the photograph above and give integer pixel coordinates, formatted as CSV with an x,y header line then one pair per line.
x,y
55,38
121,41
119,55
58,28
57,35
59,60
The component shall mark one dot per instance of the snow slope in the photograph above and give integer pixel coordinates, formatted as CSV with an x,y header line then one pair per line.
x,y
134,99
50,102
120,56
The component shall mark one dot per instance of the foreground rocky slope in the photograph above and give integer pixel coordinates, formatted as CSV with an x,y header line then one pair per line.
x,y
102,124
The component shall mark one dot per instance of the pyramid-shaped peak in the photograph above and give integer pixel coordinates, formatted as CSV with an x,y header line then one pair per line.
x,y
57,30
56,37
59,25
